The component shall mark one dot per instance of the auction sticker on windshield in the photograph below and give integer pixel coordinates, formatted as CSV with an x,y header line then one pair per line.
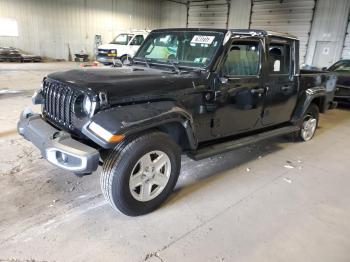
x,y
202,39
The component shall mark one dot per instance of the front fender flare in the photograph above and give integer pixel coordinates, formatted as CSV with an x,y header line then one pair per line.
x,y
131,119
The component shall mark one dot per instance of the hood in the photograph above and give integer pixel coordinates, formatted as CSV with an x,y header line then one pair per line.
x,y
131,83
110,46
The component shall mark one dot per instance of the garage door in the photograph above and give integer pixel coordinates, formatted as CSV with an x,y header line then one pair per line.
x,y
208,14
346,48
286,16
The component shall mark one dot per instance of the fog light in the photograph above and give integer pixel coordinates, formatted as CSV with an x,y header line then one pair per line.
x,y
61,157
64,158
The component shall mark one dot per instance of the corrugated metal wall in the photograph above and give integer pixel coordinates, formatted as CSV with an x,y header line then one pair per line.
x,y
288,16
208,14
346,48
48,27
173,14
239,14
329,25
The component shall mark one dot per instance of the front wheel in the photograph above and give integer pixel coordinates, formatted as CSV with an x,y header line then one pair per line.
x,y
125,60
309,123
139,174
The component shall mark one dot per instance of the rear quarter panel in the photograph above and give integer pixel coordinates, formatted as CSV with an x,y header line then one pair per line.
x,y
315,85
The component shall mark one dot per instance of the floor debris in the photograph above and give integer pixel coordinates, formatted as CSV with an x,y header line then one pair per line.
x,y
288,180
289,165
153,254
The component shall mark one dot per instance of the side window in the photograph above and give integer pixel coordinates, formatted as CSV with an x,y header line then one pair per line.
x,y
137,40
242,59
279,58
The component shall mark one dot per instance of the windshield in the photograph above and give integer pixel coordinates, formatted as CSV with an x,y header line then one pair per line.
x,y
122,39
341,66
187,48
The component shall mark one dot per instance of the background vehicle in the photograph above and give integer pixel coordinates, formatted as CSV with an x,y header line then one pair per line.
x,y
342,70
123,47
197,91
10,54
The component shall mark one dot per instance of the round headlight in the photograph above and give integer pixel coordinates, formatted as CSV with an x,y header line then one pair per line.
x,y
112,51
87,105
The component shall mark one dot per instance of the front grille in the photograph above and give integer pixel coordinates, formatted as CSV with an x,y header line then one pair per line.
x,y
59,101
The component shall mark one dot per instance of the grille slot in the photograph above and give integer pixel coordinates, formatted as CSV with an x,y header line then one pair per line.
x,y
58,106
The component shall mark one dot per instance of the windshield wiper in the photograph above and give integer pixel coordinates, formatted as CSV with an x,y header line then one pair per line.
x,y
143,60
146,62
176,68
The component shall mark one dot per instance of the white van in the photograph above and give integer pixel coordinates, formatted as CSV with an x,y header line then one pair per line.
x,y
122,47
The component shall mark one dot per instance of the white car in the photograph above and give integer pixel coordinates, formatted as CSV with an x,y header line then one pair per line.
x,y
123,47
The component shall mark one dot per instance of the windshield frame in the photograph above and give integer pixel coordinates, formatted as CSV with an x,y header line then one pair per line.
x,y
178,63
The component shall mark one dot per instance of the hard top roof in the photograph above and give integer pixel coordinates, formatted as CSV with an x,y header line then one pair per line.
x,y
233,31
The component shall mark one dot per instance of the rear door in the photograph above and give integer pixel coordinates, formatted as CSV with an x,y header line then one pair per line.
x,y
281,81
239,100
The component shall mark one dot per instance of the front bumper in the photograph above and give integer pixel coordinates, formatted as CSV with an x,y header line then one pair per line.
x,y
58,147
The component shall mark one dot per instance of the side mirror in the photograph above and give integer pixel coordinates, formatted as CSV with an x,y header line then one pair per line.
x,y
223,80
117,63
324,68
128,61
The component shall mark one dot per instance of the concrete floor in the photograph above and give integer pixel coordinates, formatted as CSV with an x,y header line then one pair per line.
x,y
246,205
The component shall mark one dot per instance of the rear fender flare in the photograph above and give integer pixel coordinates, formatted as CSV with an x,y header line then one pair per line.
x,y
305,99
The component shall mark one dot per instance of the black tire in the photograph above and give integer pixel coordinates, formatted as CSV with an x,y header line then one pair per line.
x,y
311,112
118,166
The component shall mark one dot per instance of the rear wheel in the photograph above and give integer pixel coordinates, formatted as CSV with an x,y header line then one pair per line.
x,y
309,123
139,174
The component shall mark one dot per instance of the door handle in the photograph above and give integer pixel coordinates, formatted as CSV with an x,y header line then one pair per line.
x,y
259,91
286,88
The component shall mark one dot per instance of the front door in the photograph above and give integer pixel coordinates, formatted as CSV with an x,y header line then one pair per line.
x,y
239,100
281,83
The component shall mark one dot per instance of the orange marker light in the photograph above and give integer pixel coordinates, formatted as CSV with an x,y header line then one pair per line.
x,y
104,134
116,138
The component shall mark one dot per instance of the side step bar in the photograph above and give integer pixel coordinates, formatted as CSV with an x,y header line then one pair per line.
x,y
241,142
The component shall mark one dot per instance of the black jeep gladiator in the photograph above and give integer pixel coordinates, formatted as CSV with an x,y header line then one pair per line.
x,y
194,91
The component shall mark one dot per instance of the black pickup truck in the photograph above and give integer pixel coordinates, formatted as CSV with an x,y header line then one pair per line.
x,y
194,91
